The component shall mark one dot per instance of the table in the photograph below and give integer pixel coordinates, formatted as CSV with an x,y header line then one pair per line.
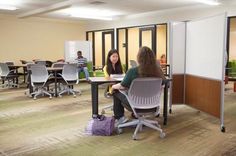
x,y
96,81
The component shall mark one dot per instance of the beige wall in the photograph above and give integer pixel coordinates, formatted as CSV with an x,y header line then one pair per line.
x,y
98,48
147,39
29,39
107,45
161,40
121,48
133,41
232,48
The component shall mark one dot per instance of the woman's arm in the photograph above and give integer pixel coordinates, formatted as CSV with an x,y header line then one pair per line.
x,y
105,71
118,86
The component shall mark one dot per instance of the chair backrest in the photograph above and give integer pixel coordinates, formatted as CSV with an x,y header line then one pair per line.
x,y
4,70
41,62
144,93
29,65
58,65
48,63
9,63
39,73
133,63
70,72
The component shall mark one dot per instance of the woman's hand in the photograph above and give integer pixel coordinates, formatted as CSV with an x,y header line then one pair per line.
x,y
117,86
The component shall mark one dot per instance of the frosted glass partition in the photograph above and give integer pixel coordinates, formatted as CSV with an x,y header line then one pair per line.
x,y
205,47
178,47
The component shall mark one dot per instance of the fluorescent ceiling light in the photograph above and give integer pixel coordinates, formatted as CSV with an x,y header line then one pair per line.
x,y
5,7
90,13
209,2
92,17
11,2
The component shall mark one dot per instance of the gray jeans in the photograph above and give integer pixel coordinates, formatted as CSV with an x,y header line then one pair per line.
x,y
120,102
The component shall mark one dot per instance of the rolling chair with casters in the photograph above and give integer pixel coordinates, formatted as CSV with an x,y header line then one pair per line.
x,y
70,77
8,76
39,80
144,98
59,78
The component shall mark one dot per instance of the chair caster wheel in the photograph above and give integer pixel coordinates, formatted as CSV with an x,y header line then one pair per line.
x,y
135,137
50,97
223,129
103,111
119,131
162,135
74,96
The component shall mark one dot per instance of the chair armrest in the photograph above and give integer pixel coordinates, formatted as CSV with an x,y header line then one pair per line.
x,y
125,92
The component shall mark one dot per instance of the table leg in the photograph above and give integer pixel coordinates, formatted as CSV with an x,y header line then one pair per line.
x,y
30,85
24,73
94,91
55,74
165,107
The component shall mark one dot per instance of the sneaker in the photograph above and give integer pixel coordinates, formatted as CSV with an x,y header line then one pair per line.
x,y
133,116
120,121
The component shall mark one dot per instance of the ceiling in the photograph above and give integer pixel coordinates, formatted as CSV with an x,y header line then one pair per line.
x,y
59,8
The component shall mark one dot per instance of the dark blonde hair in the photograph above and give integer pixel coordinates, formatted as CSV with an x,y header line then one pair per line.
x,y
147,64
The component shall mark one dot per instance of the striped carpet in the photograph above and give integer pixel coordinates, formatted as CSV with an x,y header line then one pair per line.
x,y
56,128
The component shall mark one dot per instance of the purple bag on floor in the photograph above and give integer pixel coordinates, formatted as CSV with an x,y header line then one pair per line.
x,y
103,126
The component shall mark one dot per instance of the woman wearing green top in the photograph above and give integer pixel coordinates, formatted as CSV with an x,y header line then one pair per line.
x,y
147,68
113,65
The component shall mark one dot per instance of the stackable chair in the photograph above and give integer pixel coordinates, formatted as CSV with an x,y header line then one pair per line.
x,y
9,63
70,77
28,68
8,77
59,78
144,98
39,62
39,79
58,64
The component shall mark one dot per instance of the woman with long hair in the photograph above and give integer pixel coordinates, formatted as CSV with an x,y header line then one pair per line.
x,y
147,68
113,65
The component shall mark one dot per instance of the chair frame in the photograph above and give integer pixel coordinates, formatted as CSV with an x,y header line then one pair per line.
x,y
69,83
40,89
141,117
7,77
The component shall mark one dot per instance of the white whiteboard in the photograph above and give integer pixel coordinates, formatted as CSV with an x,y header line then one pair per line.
x,y
178,47
71,48
205,47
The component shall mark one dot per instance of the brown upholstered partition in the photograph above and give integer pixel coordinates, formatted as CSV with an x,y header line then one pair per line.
x,y
203,94
178,89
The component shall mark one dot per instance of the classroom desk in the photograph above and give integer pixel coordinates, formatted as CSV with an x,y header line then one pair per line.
x,y
96,81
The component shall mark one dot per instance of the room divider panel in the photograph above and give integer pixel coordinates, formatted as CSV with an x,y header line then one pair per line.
x,y
198,69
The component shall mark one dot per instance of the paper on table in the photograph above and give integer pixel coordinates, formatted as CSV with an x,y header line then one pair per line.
x,y
118,77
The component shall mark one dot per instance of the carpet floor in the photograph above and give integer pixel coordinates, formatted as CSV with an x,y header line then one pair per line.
x,y
56,127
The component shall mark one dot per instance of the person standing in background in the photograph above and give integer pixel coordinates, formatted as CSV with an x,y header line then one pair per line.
x,y
82,64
